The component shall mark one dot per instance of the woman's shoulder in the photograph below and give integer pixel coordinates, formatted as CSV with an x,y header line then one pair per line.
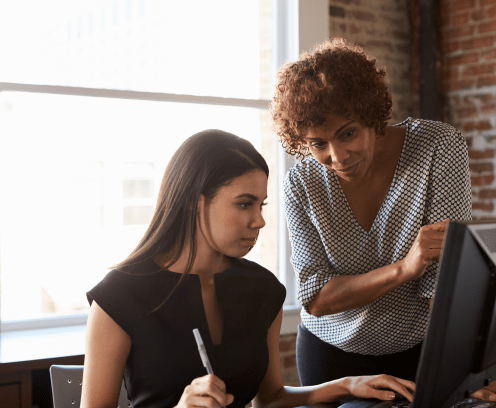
x,y
306,174
259,277
435,131
128,293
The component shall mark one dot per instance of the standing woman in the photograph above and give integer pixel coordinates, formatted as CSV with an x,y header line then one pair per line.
x,y
187,272
366,210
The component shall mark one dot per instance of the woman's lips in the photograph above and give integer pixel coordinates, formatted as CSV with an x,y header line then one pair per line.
x,y
347,170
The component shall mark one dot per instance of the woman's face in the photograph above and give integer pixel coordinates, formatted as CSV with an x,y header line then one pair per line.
x,y
344,146
229,223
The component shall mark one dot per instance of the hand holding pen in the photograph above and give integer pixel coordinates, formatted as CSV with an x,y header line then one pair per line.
x,y
207,391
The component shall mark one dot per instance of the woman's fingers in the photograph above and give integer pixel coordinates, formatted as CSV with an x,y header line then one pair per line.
x,y
381,387
484,394
207,391
403,387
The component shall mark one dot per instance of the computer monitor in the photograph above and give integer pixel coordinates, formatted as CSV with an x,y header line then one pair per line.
x,y
459,352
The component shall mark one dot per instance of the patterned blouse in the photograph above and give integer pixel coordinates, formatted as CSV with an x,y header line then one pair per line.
x,y
431,183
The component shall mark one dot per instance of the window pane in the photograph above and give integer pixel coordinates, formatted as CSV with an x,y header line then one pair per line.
x,y
138,188
192,47
76,175
137,215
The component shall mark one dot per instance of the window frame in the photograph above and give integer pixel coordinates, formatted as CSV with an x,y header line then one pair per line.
x,y
302,24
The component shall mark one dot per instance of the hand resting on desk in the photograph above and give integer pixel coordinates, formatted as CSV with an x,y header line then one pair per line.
x,y
381,387
487,393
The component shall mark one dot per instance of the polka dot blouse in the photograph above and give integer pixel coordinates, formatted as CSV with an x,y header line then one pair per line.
x,y
431,183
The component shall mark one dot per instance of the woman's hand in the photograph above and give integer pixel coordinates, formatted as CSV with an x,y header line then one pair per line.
x,y
208,391
488,393
380,386
425,250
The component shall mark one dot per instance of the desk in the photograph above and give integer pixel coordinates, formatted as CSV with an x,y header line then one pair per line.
x,y
24,351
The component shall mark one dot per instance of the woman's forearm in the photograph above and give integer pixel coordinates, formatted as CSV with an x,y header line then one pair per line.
x,y
289,397
346,292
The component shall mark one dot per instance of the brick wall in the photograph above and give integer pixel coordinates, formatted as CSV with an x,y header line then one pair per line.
x,y
468,77
382,28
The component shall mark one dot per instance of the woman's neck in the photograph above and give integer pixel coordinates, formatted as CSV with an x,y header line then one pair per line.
x,y
206,262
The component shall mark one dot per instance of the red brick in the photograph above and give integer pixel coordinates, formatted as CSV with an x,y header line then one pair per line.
x,y
480,97
361,15
450,47
451,33
477,70
482,180
383,45
491,12
354,28
478,154
342,27
455,85
487,193
477,15
486,81
489,108
460,19
348,2
457,5
487,206
466,112
476,43
486,2
489,27
481,167
463,59
449,73
488,55
287,345
481,125
289,361
400,35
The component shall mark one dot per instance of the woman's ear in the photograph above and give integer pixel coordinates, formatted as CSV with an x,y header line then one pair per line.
x,y
201,205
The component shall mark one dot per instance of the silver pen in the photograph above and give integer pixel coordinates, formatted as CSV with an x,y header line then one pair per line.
x,y
203,351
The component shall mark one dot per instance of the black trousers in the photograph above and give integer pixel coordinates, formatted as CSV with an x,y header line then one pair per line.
x,y
319,361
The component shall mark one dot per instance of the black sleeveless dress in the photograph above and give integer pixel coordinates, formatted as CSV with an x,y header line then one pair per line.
x,y
164,357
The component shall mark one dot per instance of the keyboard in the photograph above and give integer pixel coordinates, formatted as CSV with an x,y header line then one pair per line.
x,y
403,403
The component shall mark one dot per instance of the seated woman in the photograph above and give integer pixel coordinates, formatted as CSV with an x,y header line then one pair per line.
x,y
366,210
187,272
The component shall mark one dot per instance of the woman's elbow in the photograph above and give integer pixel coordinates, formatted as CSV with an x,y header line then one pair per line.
x,y
314,308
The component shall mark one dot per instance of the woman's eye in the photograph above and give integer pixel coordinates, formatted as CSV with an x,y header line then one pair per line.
x,y
318,145
348,135
245,206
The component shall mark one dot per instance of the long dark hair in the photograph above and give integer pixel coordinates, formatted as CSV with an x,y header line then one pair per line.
x,y
205,162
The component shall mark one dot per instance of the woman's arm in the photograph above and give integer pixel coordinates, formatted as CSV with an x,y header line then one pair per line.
x,y
274,394
322,291
106,350
345,292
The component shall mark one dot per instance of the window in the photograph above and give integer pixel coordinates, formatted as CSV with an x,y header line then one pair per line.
x,y
90,113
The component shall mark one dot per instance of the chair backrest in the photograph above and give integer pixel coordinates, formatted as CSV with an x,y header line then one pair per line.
x,y
66,387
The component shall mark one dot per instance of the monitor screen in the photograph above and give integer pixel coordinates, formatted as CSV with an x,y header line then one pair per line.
x,y
459,351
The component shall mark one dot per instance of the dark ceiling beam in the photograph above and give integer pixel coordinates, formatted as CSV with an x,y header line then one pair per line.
x,y
429,87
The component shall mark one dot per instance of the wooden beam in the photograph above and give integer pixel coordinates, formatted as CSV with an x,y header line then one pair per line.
x,y
429,87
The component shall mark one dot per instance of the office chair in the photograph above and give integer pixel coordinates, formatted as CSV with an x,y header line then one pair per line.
x,y
66,387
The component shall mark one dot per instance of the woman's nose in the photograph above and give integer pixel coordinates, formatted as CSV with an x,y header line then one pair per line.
x,y
338,154
258,221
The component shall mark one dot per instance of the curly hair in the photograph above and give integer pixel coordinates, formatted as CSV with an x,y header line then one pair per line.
x,y
336,76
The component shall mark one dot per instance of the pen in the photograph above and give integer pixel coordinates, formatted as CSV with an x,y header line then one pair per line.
x,y
202,351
